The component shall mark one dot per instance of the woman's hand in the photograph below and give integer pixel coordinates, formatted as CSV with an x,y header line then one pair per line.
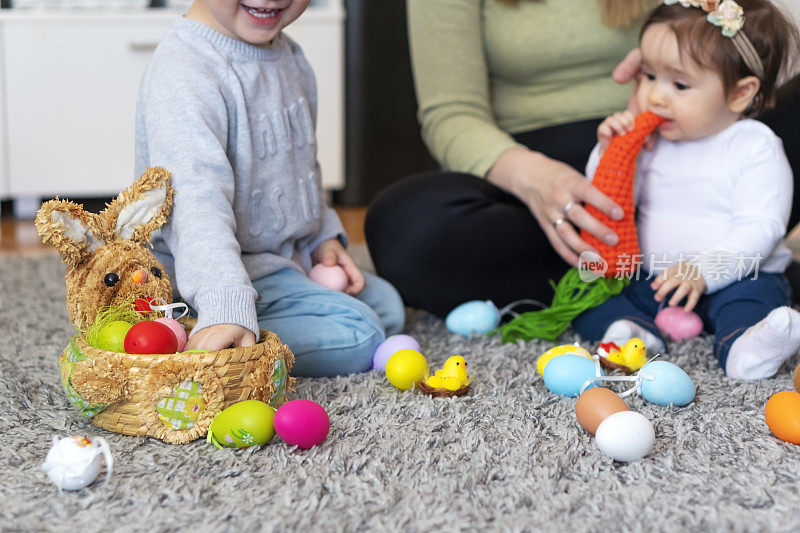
x,y
330,253
221,336
687,282
630,70
554,192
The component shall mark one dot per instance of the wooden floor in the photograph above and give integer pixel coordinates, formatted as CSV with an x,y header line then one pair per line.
x,y
19,237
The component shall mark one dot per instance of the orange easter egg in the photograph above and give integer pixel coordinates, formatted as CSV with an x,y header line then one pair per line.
x,y
597,404
782,414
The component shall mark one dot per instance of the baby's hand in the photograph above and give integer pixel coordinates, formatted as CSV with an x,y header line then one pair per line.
x,y
687,281
616,124
330,253
221,336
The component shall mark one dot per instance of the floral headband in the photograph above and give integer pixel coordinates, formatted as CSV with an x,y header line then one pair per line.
x,y
728,15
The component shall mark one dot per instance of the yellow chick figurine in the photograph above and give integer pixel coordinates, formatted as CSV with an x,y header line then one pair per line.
x,y
453,375
632,355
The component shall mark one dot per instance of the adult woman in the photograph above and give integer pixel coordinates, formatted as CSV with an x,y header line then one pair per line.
x,y
511,91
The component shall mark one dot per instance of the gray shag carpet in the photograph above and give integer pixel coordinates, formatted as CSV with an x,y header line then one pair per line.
x,y
510,456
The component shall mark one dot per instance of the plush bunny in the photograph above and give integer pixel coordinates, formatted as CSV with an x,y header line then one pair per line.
x,y
105,253
173,397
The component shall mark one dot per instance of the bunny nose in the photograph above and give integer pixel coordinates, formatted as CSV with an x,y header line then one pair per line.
x,y
139,276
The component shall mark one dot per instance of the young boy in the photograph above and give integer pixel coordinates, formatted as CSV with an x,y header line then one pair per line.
x,y
228,106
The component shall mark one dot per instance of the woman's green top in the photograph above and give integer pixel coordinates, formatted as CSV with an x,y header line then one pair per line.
x,y
484,70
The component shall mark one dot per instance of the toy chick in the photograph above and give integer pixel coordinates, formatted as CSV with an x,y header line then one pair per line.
x,y
451,380
630,358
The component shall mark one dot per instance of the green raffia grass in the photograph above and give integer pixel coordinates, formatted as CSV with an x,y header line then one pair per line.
x,y
572,297
124,311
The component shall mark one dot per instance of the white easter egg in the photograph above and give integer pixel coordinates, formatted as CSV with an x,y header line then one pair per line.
x,y
625,436
74,462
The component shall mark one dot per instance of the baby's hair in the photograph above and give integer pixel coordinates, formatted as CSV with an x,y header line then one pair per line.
x,y
773,36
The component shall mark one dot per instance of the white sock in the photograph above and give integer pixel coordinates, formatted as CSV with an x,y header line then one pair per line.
x,y
622,331
761,350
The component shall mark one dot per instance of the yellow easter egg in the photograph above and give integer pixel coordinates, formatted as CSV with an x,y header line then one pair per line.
x,y
406,367
559,350
111,337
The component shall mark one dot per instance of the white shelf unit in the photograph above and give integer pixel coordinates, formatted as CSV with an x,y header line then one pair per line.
x,y
68,85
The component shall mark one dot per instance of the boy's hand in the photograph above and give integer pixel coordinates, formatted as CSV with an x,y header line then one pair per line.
x,y
616,124
330,253
221,336
685,279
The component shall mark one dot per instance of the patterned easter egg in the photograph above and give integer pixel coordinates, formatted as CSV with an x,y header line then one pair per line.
x,y
243,424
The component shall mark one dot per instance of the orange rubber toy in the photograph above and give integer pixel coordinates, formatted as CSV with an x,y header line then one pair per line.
x,y
614,177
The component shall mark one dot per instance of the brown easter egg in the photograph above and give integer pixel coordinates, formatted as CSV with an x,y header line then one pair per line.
x,y
595,405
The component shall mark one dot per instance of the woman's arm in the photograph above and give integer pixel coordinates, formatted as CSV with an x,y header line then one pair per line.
x,y
452,83
553,190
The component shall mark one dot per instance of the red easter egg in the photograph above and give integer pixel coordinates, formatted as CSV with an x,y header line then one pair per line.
x,y
143,305
150,337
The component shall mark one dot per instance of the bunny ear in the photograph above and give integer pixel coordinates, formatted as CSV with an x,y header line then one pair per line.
x,y
71,230
141,208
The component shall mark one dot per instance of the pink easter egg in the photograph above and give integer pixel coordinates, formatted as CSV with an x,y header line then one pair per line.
x,y
678,324
302,423
392,344
333,277
177,329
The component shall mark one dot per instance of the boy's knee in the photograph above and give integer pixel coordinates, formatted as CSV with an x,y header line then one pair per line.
x,y
392,310
395,320
341,342
348,350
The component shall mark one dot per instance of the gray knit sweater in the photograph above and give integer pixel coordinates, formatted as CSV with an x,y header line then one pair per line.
x,y
234,124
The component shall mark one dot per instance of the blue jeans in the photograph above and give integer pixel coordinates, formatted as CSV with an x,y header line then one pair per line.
x,y
727,313
329,332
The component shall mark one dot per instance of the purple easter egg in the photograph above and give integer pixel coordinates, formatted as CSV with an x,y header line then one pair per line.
x,y
393,344
678,324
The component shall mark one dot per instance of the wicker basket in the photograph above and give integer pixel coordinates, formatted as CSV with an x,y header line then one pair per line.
x,y
147,390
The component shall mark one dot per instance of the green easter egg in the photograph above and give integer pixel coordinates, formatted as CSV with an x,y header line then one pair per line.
x,y
243,424
111,337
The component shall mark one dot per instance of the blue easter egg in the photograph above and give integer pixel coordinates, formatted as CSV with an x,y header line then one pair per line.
x,y
665,383
566,374
473,316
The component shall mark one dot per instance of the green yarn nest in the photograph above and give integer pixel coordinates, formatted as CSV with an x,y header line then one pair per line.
x,y
572,297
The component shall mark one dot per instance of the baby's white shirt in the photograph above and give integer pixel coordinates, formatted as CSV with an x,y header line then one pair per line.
x,y
722,202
